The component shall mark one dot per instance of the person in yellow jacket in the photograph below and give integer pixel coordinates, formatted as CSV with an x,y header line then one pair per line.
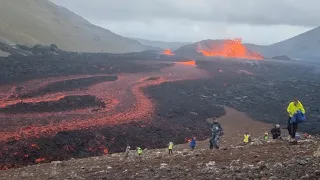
x,y
246,138
139,151
170,147
293,107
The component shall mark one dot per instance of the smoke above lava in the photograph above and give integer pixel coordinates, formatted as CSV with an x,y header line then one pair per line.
x,y
168,52
231,48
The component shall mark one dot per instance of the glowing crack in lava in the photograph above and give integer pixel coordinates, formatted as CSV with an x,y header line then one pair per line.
x,y
189,63
168,52
230,49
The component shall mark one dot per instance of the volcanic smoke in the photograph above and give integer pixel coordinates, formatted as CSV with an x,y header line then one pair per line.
x,y
230,49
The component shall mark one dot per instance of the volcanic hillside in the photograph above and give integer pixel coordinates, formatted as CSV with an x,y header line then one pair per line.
x,y
30,22
304,46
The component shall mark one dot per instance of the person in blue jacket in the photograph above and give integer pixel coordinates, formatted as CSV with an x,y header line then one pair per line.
x,y
193,143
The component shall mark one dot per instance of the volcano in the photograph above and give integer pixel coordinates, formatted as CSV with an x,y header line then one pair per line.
x,y
229,48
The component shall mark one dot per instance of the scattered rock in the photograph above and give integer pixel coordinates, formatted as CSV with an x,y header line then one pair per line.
x,y
278,165
302,162
163,166
185,152
211,164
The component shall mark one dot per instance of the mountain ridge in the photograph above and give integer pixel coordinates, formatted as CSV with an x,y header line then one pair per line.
x,y
31,22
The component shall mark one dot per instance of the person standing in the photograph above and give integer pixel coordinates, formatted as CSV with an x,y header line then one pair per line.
x,y
127,151
246,138
170,147
216,132
193,143
266,136
295,107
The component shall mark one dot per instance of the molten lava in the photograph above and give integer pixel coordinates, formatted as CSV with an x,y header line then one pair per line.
x,y
126,103
230,49
168,52
189,63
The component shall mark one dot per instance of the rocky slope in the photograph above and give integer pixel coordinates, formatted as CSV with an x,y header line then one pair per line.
x,y
31,22
259,160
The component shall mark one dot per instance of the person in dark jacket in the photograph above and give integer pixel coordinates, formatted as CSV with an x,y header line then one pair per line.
x,y
216,132
276,132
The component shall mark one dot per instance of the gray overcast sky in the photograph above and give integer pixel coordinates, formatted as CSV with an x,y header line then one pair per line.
x,y
255,21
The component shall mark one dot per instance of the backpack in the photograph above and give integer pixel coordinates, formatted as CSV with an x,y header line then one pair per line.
x,y
215,129
298,117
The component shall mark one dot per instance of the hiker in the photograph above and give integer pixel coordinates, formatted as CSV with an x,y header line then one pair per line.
x,y
266,136
296,114
139,151
216,132
246,138
170,147
193,143
276,132
127,151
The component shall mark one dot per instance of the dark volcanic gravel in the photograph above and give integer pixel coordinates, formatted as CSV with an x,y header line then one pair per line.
x,y
263,95
21,68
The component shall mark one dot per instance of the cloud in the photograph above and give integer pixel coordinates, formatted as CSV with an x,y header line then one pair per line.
x,y
257,12
256,21
192,31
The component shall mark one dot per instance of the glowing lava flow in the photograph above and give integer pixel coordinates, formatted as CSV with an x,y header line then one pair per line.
x,y
168,52
230,49
130,104
190,63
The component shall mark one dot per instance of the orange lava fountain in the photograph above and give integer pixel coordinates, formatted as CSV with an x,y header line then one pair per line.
x,y
168,52
230,49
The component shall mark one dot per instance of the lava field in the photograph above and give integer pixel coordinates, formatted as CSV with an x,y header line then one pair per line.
x,y
93,104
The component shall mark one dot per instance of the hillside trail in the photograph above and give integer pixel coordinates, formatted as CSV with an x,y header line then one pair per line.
x,y
234,125
271,160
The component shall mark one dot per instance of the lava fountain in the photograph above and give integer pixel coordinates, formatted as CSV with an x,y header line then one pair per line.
x,y
230,49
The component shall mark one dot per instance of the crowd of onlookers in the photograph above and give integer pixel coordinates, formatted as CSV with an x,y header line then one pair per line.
x,y
296,114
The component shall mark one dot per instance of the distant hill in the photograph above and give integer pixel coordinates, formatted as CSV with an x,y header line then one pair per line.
x,y
31,22
283,57
304,46
162,44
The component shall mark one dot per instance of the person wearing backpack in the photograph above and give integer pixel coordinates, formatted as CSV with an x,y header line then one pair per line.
x,y
296,113
216,132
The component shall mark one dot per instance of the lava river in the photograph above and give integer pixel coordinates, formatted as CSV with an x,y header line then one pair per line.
x,y
124,99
